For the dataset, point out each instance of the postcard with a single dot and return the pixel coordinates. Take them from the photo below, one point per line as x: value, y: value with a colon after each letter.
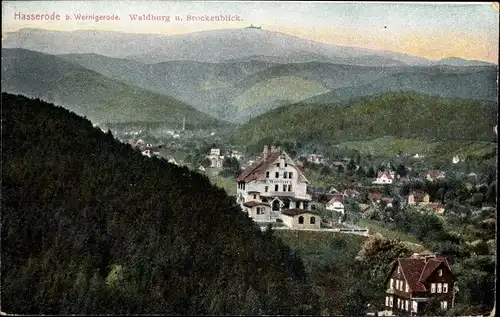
x: 249, y: 158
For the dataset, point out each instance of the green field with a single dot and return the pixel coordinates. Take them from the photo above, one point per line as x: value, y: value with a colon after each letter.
x: 313, y: 246
x: 292, y: 88
x: 229, y: 185
x: 373, y: 226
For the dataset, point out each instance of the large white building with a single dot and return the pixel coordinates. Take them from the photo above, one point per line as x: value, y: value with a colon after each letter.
x: 216, y: 160
x: 271, y: 185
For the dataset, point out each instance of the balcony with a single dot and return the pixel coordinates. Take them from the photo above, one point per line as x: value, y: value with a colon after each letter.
x: 286, y: 194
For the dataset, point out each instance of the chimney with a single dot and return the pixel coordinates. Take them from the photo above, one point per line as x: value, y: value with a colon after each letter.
x: 265, y: 153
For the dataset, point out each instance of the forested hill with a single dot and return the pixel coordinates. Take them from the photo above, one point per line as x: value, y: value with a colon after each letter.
x: 403, y: 115
x: 91, y: 226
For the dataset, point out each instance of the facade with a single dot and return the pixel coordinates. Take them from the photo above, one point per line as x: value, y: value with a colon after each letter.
x: 237, y: 154
x: 274, y: 180
x: 301, y: 219
x: 418, y: 198
x: 384, y: 178
x: 415, y: 282
x: 315, y: 158
x: 216, y: 160
x: 336, y: 203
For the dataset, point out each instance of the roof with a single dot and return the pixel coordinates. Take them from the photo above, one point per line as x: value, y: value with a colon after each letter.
x: 418, y: 195
x: 417, y: 270
x: 339, y: 198
x: 251, y: 204
x: 256, y: 169
x: 296, y: 211
x: 387, y: 199
x: 386, y: 174
x: 374, y: 196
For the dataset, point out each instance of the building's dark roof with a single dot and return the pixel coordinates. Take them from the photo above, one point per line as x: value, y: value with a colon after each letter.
x: 417, y: 270
x: 256, y: 169
x: 252, y: 203
x: 297, y: 211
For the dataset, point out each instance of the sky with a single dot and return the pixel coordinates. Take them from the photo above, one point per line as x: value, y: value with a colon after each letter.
x: 431, y: 30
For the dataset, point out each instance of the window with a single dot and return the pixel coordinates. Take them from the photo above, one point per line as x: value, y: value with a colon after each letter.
x: 402, y: 285
x: 387, y: 301
x: 440, y: 272
x: 254, y: 196
x: 278, y: 164
x: 397, y: 284
x: 275, y: 188
x: 407, y: 288
x: 391, y: 285
x: 258, y: 210
x: 301, y: 220
x: 407, y: 305
x: 289, y: 188
x: 444, y: 305
x: 312, y: 220
x: 284, y: 188
x: 414, y: 306
x: 285, y: 174
x: 277, y: 175
x: 399, y: 303
x: 445, y: 287
x: 399, y: 270
x: 286, y: 164
x: 433, y: 287
x: 267, y: 174
x: 290, y: 175
x: 439, y: 290
x: 266, y: 189
x: 391, y: 301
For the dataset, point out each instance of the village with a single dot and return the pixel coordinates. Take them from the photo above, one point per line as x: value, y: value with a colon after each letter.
x: 277, y: 191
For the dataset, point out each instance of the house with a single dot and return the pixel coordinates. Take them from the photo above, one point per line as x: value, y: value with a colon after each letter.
x: 216, y: 160
x: 388, y: 201
x: 236, y: 154
x: 301, y: 219
x: 149, y: 152
x: 418, y: 198
x: 274, y: 180
x: 434, y: 175
x: 384, y: 178
x: 315, y: 158
x: 435, y: 207
x: 455, y: 159
x: 257, y: 209
x: 374, y: 197
x: 336, y: 203
x: 415, y: 281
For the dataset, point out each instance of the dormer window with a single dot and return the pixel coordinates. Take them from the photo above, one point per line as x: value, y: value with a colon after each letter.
x: 399, y: 270
x: 278, y: 164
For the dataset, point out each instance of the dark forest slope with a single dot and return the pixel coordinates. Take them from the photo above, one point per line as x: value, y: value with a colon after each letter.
x: 91, y: 226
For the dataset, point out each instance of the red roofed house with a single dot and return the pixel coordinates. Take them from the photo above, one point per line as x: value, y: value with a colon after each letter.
x: 274, y: 180
x: 384, y: 178
x: 336, y: 203
x: 414, y: 282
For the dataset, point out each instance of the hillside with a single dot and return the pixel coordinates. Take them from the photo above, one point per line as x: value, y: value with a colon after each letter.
x: 238, y: 90
x: 90, y: 94
x: 91, y: 226
x: 401, y: 115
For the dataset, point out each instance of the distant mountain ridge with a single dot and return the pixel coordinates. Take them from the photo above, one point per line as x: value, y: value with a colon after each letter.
x: 91, y: 94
